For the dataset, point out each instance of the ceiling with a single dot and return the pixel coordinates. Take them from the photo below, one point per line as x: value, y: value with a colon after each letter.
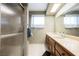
x: 37, y: 6
x: 50, y: 5
x: 14, y: 7
x: 73, y: 10
x: 42, y: 7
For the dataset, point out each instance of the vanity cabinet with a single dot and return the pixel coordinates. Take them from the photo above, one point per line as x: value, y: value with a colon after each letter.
x: 50, y: 44
x: 61, y: 51
x: 56, y: 49
x: 57, y: 53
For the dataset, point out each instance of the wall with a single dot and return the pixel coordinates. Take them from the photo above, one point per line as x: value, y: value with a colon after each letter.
x: 0, y: 28
x: 59, y: 26
x: 25, y: 22
x: 39, y: 34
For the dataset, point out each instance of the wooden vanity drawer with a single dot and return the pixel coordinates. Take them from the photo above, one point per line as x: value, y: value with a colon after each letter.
x: 61, y: 50
x: 56, y: 53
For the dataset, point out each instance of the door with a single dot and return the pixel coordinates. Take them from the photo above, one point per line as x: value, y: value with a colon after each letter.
x: 11, y: 31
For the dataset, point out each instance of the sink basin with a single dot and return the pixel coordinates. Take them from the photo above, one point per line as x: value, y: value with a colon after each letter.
x: 59, y: 36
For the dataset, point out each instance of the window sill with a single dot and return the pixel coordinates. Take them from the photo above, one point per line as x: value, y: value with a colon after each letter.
x: 36, y: 27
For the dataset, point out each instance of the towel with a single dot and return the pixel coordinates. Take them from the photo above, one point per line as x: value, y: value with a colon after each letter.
x: 28, y: 32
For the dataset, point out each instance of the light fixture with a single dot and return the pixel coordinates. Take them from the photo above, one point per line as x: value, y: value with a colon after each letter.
x: 55, y: 7
x: 6, y: 10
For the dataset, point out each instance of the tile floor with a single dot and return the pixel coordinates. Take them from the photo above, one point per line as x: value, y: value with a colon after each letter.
x: 36, y: 49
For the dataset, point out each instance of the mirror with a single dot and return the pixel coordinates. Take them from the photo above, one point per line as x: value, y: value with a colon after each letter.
x: 63, y: 28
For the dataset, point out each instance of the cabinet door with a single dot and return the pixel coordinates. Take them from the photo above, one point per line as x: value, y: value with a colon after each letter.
x: 61, y: 50
x: 56, y: 53
x: 48, y: 45
x: 52, y: 42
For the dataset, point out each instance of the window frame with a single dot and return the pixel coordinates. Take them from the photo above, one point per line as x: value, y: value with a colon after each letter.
x: 37, y: 26
x: 73, y: 21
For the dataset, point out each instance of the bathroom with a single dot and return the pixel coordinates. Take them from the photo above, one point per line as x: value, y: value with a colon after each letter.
x: 26, y: 26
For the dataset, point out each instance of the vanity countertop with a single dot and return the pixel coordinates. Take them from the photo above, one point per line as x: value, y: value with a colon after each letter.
x: 72, y: 45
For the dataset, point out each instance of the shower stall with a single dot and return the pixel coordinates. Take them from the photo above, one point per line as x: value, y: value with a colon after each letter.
x: 13, y: 25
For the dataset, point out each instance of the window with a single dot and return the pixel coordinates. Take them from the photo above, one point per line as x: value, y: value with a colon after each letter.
x: 71, y: 21
x: 37, y: 21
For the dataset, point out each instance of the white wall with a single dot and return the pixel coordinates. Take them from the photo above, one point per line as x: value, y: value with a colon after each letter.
x: 39, y: 34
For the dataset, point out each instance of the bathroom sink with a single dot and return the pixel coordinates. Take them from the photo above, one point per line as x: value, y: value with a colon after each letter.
x: 59, y: 36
